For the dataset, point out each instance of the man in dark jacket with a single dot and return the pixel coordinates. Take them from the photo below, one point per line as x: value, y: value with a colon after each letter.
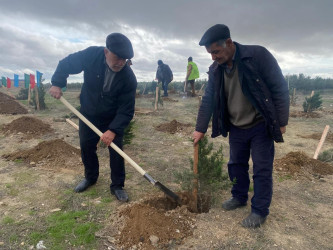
x: 248, y: 97
x: 107, y: 100
x: 164, y: 75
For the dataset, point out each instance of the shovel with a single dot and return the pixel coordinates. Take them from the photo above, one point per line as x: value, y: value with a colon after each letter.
x: 163, y: 188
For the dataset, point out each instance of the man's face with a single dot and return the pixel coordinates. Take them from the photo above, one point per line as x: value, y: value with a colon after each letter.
x: 113, y: 61
x: 221, y: 54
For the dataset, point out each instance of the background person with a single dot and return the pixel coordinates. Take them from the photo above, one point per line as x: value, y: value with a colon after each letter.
x: 248, y: 98
x: 164, y: 75
x: 191, y: 75
x: 107, y: 100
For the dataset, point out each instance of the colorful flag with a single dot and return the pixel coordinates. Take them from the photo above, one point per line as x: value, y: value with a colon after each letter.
x: 3, y: 80
x: 32, y: 81
x: 26, y: 81
x: 9, y: 83
x: 39, y: 77
x: 16, y: 80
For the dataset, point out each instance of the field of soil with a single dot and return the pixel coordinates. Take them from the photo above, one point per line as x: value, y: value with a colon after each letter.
x: 40, y: 165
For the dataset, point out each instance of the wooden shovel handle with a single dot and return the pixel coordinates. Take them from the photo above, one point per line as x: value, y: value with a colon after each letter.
x: 99, y: 133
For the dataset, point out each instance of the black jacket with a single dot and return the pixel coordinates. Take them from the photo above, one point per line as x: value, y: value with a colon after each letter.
x: 164, y: 73
x: 115, y: 106
x: 262, y: 83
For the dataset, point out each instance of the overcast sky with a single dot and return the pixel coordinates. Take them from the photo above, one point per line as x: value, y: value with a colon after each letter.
x: 36, y: 34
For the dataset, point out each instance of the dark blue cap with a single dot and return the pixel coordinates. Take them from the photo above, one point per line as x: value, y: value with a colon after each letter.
x: 120, y: 45
x: 215, y: 33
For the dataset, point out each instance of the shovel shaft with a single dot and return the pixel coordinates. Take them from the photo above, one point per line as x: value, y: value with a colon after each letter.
x: 98, y: 132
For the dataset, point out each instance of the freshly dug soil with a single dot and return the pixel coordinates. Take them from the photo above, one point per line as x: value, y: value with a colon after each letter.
x: 53, y: 154
x: 175, y: 127
x: 298, y: 164
x: 29, y: 126
x: 8, y: 105
x: 156, y: 223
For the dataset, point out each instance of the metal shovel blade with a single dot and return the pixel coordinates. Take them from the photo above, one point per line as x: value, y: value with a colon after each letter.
x: 168, y: 192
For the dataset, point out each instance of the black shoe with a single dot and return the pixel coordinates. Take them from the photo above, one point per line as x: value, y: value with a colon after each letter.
x: 120, y: 194
x: 83, y: 185
x: 253, y: 221
x: 232, y: 204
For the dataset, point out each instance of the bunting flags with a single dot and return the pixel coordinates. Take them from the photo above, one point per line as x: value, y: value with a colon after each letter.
x: 29, y: 79
x: 32, y: 81
x: 39, y: 78
x: 9, y: 83
x: 26, y: 81
x: 3, y: 81
x: 16, y: 81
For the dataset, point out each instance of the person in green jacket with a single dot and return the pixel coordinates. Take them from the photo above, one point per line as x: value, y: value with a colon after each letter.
x: 192, y: 74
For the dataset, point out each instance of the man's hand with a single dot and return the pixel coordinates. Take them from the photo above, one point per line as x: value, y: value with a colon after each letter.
x: 283, y: 129
x: 108, y: 137
x: 197, y: 136
x: 55, y: 92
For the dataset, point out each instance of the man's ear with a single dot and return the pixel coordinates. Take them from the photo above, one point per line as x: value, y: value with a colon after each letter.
x: 228, y: 42
x: 105, y: 51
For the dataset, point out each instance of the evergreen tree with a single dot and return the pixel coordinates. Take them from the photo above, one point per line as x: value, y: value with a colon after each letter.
x: 312, y: 103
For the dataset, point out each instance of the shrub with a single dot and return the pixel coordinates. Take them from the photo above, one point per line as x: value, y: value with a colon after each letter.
x: 326, y: 156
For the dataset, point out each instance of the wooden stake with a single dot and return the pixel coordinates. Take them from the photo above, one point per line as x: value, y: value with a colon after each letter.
x: 200, y: 100
x: 156, y: 98
x: 321, y: 142
x: 29, y: 94
x: 72, y: 123
x: 37, y: 97
x: 144, y: 89
x: 201, y: 88
x: 312, y: 93
x: 195, y: 172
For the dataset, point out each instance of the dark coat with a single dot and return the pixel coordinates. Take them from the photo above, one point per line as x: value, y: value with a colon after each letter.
x: 164, y: 73
x: 115, y: 106
x: 262, y: 83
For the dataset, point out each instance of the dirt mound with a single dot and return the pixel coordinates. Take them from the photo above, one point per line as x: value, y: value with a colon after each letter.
x: 317, y: 136
x: 168, y: 99
x: 8, y: 105
x: 175, y: 127
x: 53, y: 154
x: 299, y: 164
x: 156, y: 223
x: 296, y: 114
x: 29, y: 126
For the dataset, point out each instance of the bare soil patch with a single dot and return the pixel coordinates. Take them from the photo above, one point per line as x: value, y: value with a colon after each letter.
x: 317, y: 136
x: 296, y: 114
x: 53, y: 154
x: 8, y: 105
x: 175, y: 127
x: 298, y: 164
x: 27, y: 125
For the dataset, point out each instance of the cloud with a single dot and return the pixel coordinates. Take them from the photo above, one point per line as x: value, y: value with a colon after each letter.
x: 36, y: 34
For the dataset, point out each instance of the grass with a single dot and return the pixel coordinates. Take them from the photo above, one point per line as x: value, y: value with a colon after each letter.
x: 67, y: 229
x: 7, y: 220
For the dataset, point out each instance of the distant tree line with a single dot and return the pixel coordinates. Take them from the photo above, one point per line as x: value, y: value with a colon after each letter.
x: 306, y: 83
x: 300, y: 82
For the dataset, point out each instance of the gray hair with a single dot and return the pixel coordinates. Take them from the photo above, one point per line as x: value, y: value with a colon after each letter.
x: 222, y: 42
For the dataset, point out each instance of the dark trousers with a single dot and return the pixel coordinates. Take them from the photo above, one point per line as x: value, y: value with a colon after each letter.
x: 165, y: 87
x: 88, y: 144
x: 254, y: 141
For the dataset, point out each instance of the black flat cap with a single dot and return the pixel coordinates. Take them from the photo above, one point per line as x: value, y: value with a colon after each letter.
x: 120, y: 45
x: 215, y: 33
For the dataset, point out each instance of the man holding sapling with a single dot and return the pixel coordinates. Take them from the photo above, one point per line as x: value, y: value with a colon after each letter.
x: 107, y: 100
x: 248, y: 98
